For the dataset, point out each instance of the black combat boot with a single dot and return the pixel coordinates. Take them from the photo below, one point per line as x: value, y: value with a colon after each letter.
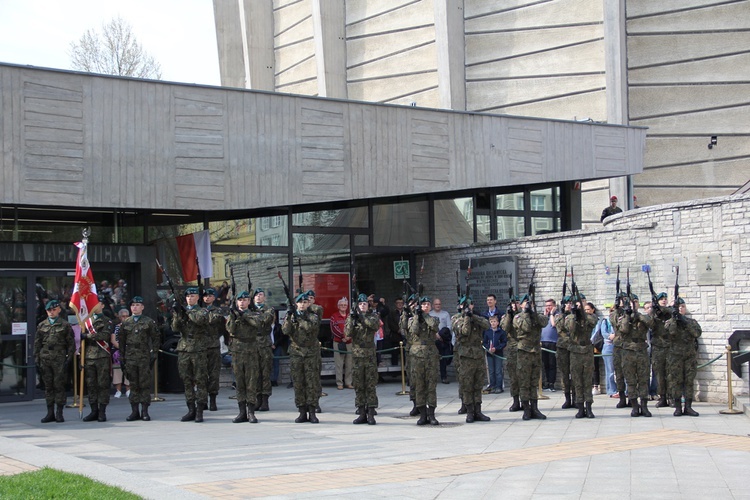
x: 516, y: 406
x: 414, y: 410
x: 677, y: 408
x: 144, y: 412
x: 59, y: 414
x: 94, y: 415
x: 662, y: 403
x: 422, y: 416
x: 212, y: 402
x: 362, y: 418
x: 318, y: 409
x: 134, y: 415
x: 535, y: 413
x: 478, y: 415
x: 689, y: 409
x: 644, y: 407
x: 635, y: 412
x: 567, y: 403
x: 242, y: 415
x: 623, y: 402
x: 463, y: 409
x: 589, y: 413
x: 189, y: 416
x: 251, y: 414
x: 102, y: 413
x: 50, y: 416
x: 263, y: 402
x: 431, y: 415
x: 371, y: 416
x: 469, y: 414
x: 199, y: 412
x: 526, y: 410
x: 312, y: 409
x: 581, y: 412
x: 302, y: 415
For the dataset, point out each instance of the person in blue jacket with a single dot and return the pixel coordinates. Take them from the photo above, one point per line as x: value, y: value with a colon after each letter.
x: 495, y: 340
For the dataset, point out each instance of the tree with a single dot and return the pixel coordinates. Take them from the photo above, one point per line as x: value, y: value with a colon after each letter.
x: 114, y: 51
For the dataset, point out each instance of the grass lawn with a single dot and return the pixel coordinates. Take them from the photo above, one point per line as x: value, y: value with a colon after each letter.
x: 51, y: 483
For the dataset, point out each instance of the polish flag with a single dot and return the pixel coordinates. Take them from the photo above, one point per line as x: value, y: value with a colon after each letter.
x: 192, y: 246
x: 84, y: 302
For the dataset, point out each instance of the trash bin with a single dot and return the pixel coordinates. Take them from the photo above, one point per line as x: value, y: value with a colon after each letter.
x: 169, y: 374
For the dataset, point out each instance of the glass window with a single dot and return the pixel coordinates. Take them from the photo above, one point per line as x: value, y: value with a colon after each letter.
x: 275, y: 240
x: 511, y: 201
x: 541, y: 225
x: 346, y: 217
x: 258, y: 270
x: 483, y: 227
x: 233, y: 232
x: 510, y: 227
x: 454, y: 222
x: 542, y: 200
x: 265, y: 223
x: 401, y: 224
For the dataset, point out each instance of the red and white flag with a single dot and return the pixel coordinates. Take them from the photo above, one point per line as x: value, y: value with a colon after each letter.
x: 195, y: 246
x: 85, y: 301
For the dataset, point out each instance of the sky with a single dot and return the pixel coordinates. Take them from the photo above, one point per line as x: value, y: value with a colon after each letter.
x: 179, y: 34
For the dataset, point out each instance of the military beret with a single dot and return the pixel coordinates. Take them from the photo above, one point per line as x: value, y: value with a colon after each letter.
x: 311, y: 293
x: 210, y: 291
x: 581, y: 296
x: 567, y: 298
x: 136, y: 300
x: 243, y: 295
x: 634, y: 296
x: 52, y: 304
x: 302, y: 297
x: 680, y: 301
x: 524, y: 297
x: 413, y: 297
x: 259, y: 290
x: 361, y: 298
x: 425, y: 299
x: 465, y: 299
x: 191, y: 291
x: 661, y: 295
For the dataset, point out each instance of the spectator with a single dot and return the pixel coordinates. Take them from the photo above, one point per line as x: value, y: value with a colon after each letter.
x: 549, y: 343
x: 495, y: 340
x: 342, y: 354
x: 491, y: 306
x: 612, y: 209
x: 608, y: 334
x: 117, y: 376
x: 444, y: 338
x: 278, y: 341
x: 589, y: 308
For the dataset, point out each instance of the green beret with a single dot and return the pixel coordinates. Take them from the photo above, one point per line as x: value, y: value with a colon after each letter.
x: 210, y: 291
x: 680, y: 301
x: 465, y: 299
x: 581, y: 296
x: 661, y: 295
x: 413, y: 297
x: 136, y: 300
x: 425, y: 299
x: 362, y: 298
x: 243, y: 295
x: 191, y: 291
x: 634, y: 296
x: 302, y: 297
x: 259, y: 290
x: 567, y: 298
x: 524, y: 298
x: 52, y: 304
x: 311, y: 293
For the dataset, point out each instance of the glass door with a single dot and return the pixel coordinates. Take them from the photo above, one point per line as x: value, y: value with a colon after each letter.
x: 14, y: 338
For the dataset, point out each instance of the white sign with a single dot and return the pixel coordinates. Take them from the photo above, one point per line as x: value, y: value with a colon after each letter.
x: 18, y: 329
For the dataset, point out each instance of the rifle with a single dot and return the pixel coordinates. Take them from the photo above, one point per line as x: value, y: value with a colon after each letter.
x: 532, y: 292
x: 468, y: 275
x: 654, y: 302
x: 175, y: 297
x: 676, y: 287
x: 565, y: 287
x: 458, y: 287
x: 289, y: 298
x: 617, y: 289
x: 574, y: 290
x: 299, y: 277
x: 250, y: 289
x: 510, y: 290
x: 200, y: 282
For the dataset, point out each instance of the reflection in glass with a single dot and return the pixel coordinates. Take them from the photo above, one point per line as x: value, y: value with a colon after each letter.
x: 454, y: 222
x: 13, y: 334
x: 541, y: 225
x: 402, y: 224
x: 483, y: 228
x: 541, y: 200
x: 511, y: 201
x: 510, y: 227
x: 345, y: 217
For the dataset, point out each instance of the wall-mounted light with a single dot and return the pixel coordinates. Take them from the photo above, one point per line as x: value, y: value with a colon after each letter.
x: 714, y: 141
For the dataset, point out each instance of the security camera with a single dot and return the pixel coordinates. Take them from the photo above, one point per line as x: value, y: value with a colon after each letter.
x: 713, y: 142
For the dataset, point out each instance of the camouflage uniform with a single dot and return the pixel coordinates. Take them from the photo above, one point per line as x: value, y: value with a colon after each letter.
x: 408, y: 339
x: 191, y: 360
x: 469, y: 328
x: 511, y: 359
x: 617, y: 359
x: 365, y: 372
x: 424, y: 357
x: 266, y: 316
x: 242, y: 327
x: 682, y: 360
x: 212, y: 347
x: 564, y: 356
x: 54, y: 346
x: 98, y: 365
x: 304, y: 353
x: 659, y: 351
x: 634, y: 333
x: 529, y: 326
x: 140, y: 339
x: 581, y: 356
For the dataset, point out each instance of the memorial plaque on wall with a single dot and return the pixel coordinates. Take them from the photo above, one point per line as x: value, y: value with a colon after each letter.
x: 489, y: 275
x: 708, y: 269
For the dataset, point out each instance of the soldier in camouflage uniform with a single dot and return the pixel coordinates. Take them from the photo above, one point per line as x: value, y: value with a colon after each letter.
x: 617, y: 356
x: 302, y: 327
x: 660, y: 347
x: 361, y: 327
x: 578, y: 326
x: 140, y: 339
x: 633, y: 327
x: 212, y: 347
x: 682, y: 361
x: 511, y: 353
x: 563, y: 354
x: 266, y: 316
x: 412, y: 304
x: 424, y: 356
x: 469, y: 328
x: 192, y: 323
x: 54, y: 346
x: 97, y: 365
x: 528, y: 323
x: 242, y: 326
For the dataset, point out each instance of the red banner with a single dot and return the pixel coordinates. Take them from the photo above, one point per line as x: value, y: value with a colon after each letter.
x: 84, y: 302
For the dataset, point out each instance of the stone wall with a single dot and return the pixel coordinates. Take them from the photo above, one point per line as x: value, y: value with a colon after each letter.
x: 662, y: 237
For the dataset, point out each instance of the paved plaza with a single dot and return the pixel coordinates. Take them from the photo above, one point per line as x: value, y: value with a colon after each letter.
x: 612, y: 456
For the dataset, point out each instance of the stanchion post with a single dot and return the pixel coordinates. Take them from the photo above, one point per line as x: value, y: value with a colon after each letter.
x: 730, y: 396
x: 541, y: 395
x: 156, y: 397
x: 403, y: 391
x: 74, y: 404
x: 322, y: 392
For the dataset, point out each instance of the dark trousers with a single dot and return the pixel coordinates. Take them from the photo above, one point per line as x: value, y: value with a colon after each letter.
x: 549, y: 362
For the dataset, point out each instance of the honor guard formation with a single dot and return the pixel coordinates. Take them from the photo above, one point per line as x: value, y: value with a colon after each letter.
x: 487, y: 347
